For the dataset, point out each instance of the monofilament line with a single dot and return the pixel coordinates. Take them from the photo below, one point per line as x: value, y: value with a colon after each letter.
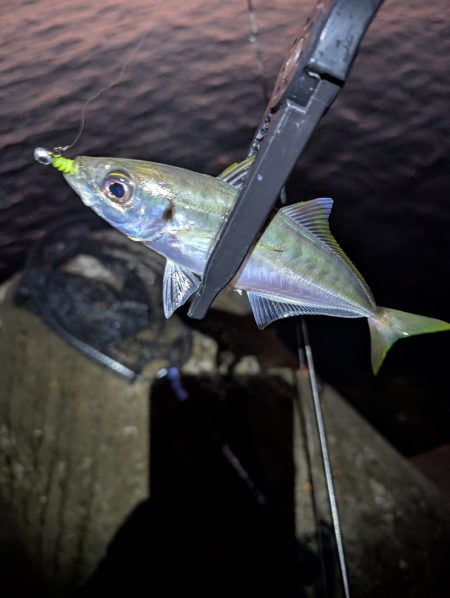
x: 103, y: 90
x: 254, y: 40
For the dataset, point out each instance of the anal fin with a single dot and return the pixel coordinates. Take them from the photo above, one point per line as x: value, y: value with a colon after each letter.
x: 267, y: 310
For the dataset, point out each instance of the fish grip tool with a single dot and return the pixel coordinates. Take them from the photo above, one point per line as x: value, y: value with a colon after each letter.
x: 308, y: 83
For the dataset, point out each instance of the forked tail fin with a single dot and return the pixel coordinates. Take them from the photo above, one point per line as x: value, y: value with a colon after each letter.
x: 391, y: 325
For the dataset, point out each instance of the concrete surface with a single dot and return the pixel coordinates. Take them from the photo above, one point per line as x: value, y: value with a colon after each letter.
x: 75, y: 454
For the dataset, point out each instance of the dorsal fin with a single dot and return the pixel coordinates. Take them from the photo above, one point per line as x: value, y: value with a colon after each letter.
x: 313, y: 215
x: 236, y: 174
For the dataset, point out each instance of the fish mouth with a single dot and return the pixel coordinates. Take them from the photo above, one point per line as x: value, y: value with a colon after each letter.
x: 83, y: 182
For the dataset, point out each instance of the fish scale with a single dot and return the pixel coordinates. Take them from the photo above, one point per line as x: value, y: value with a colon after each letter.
x: 306, y: 266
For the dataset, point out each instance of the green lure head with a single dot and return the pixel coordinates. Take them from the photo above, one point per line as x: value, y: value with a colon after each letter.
x: 64, y: 165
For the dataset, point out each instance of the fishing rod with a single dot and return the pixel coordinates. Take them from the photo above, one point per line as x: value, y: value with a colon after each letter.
x: 305, y: 406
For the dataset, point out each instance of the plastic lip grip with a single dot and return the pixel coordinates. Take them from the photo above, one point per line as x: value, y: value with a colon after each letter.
x: 308, y: 83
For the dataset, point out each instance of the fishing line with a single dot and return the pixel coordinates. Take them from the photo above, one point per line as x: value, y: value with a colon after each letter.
x: 254, y: 40
x: 44, y: 156
x: 103, y: 90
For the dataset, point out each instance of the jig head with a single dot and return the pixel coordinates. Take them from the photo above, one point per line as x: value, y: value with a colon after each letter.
x: 56, y: 159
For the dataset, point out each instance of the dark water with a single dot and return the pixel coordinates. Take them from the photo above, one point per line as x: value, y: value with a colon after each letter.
x: 191, y: 98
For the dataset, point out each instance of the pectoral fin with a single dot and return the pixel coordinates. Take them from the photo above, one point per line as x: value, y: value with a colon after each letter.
x: 268, y: 310
x: 178, y: 285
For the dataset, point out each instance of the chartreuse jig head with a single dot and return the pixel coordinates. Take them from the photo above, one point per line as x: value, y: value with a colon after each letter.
x: 54, y: 157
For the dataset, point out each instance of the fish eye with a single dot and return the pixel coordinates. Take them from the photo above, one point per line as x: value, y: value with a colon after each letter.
x: 118, y: 187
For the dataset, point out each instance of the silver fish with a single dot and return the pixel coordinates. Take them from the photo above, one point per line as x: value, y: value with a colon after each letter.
x: 296, y: 267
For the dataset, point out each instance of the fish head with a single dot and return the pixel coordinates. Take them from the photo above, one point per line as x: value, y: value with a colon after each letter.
x: 131, y: 195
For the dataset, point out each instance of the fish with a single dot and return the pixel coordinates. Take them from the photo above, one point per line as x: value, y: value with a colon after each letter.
x: 295, y: 268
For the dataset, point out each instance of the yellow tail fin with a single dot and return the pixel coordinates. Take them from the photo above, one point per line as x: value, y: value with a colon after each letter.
x: 391, y: 325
